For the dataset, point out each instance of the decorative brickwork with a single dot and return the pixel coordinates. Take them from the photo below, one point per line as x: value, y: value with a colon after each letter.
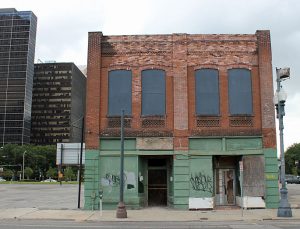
x: 241, y: 121
x: 179, y: 55
x: 207, y: 122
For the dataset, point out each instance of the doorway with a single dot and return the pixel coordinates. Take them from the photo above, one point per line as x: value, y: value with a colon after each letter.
x: 225, y: 187
x: 227, y: 184
x: 157, y: 182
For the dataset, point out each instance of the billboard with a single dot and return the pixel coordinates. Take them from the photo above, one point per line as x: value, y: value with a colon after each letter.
x: 69, y: 154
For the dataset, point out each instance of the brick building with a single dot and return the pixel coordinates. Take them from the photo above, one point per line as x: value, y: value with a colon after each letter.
x: 199, y: 120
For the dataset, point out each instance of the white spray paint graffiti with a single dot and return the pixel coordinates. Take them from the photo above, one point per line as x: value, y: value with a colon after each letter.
x: 112, y: 180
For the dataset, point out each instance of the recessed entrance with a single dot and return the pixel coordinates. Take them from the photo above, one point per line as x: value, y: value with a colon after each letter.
x: 226, y: 180
x: 157, y: 182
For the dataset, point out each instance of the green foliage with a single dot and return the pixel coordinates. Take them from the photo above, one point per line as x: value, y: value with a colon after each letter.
x: 69, y: 174
x: 291, y: 156
x: 51, y: 173
x: 8, y: 174
x: 38, y: 158
x: 28, y: 172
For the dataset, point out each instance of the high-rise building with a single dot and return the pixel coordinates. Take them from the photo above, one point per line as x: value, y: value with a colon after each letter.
x: 58, y: 103
x: 17, y: 47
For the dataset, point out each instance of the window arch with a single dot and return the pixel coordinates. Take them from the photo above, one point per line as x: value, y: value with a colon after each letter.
x: 240, y: 91
x: 207, y: 92
x: 119, y: 92
x: 153, y: 92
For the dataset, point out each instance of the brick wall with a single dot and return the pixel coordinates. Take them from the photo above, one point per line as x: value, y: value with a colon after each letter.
x: 179, y: 55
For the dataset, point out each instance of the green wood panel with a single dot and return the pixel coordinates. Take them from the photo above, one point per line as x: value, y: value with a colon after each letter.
x: 206, y: 144
x: 227, y: 153
x: 271, y: 168
x: 182, y: 185
x: 272, y: 205
x: 181, y: 171
x: 201, y: 176
x: 243, y: 143
x: 115, y: 144
x: 272, y: 184
x: 271, y: 161
x: 272, y: 192
x: 273, y: 199
x: 181, y: 200
x: 181, y: 178
x: 182, y: 192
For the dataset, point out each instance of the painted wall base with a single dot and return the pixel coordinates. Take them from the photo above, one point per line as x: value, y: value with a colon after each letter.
x: 250, y: 202
x: 201, y: 203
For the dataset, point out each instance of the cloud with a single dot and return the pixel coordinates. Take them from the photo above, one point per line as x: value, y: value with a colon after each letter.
x: 63, y: 27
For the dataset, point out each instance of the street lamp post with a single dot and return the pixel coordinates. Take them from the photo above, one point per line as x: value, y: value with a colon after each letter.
x: 23, y: 168
x: 121, y: 210
x: 284, y: 209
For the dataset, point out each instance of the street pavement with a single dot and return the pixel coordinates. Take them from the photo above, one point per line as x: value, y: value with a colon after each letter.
x: 46, y: 224
x: 59, y: 203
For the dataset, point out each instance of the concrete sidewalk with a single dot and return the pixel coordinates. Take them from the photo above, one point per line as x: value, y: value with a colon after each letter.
x: 147, y: 214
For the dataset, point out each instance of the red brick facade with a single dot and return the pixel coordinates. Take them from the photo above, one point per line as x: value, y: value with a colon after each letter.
x: 179, y: 55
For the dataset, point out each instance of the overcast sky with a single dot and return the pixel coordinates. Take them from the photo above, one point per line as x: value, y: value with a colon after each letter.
x: 63, y: 28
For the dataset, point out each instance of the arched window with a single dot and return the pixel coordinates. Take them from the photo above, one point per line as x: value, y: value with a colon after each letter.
x: 207, y: 92
x: 119, y: 92
x: 240, y: 91
x: 153, y: 92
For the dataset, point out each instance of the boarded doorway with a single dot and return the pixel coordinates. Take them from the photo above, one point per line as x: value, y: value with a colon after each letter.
x: 157, y: 182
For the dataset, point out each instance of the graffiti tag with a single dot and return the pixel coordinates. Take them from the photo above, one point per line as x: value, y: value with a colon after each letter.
x: 201, y: 182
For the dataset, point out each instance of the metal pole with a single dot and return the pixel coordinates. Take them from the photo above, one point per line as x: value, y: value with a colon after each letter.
x: 80, y: 164
x: 284, y: 209
x: 61, y: 161
x: 122, y: 160
x: 23, y: 164
x: 121, y: 210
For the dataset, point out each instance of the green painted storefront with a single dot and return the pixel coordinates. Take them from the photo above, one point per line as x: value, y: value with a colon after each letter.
x: 187, y: 178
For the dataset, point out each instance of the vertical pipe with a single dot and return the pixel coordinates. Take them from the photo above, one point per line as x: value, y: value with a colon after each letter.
x: 80, y: 164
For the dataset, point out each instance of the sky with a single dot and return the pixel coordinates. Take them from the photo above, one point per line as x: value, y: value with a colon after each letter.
x: 63, y: 26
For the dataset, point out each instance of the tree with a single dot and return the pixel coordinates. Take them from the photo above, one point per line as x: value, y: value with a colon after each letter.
x: 8, y: 174
x: 69, y: 174
x: 38, y: 158
x: 292, y: 156
x: 51, y: 173
x: 28, y: 172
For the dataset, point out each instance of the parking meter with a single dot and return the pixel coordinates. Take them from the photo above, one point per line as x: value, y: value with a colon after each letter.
x: 101, y: 194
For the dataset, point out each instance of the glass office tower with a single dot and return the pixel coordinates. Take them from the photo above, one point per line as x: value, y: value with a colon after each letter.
x: 17, y: 47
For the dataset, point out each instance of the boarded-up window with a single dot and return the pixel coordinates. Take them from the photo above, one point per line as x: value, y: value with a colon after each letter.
x: 254, y: 176
x: 153, y: 92
x: 207, y: 92
x: 119, y: 92
x: 240, y: 91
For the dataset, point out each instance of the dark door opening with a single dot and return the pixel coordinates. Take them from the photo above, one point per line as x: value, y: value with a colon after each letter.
x: 157, y: 182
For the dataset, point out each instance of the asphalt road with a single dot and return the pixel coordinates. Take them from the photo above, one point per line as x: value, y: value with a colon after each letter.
x: 54, y: 196
x: 42, y: 196
x: 294, y: 194
x: 24, y: 224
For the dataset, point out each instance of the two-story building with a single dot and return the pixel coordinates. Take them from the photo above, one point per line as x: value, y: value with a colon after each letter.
x: 199, y: 121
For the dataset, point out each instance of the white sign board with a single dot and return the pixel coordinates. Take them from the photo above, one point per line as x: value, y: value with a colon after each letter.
x: 69, y: 153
